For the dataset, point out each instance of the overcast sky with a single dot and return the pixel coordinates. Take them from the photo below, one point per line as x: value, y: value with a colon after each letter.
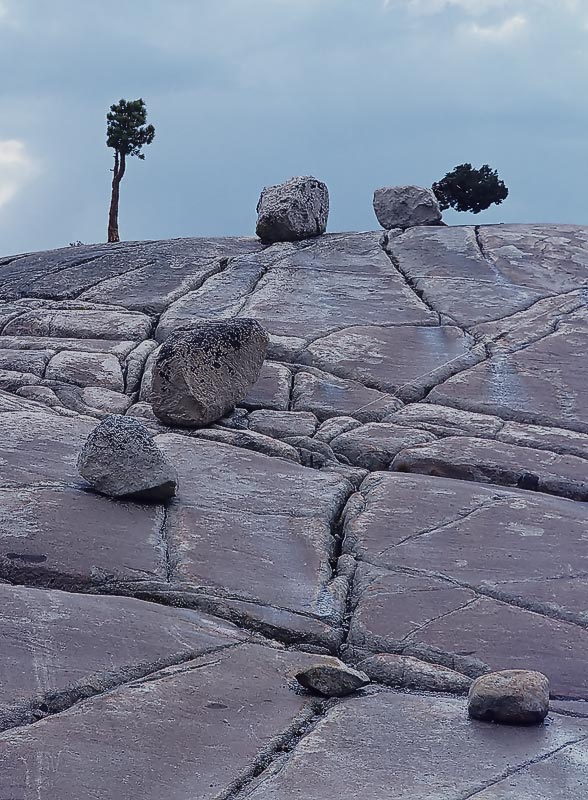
x: 245, y: 93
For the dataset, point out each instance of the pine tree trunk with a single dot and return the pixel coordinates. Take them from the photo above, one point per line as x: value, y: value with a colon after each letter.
x: 118, y: 172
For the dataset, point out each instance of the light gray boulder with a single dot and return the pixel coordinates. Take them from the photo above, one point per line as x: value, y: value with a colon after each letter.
x: 120, y: 459
x: 297, y: 209
x: 513, y: 697
x: 406, y: 206
x: 202, y: 372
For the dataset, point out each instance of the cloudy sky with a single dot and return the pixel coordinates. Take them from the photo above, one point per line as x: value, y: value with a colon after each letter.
x: 244, y: 93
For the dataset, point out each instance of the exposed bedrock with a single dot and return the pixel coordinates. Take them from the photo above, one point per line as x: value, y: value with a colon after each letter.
x: 397, y: 493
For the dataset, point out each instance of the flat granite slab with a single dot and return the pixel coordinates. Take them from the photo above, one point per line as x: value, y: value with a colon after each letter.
x: 411, y: 747
x: 191, y: 731
x: 59, y: 648
x: 472, y: 576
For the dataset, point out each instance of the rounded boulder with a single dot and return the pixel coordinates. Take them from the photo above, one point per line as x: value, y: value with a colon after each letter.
x: 203, y: 371
x: 511, y: 697
x: 120, y: 459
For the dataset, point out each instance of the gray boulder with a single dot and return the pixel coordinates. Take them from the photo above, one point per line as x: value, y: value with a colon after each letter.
x: 297, y: 209
x: 513, y: 697
x: 202, y: 372
x: 406, y: 206
x: 332, y: 678
x: 120, y: 459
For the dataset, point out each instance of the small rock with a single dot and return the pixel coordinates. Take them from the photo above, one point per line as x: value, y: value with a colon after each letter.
x: 237, y: 420
x: 313, y: 453
x: 120, y: 459
x: 105, y: 400
x: 334, y: 427
x: 280, y: 424
x: 406, y: 206
x: 202, y: 372
x: 297, y: 209
x: 250, y: 440
x: 332, y: 679
x: 354, y: 475
x: 513, y: 697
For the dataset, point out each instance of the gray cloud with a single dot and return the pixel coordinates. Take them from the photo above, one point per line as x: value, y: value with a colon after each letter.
x: 359, y: 92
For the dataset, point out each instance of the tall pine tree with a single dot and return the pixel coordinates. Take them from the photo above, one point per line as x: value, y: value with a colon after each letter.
x: 127, y: 133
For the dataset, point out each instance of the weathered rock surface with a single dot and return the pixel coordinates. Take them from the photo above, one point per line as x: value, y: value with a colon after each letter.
x: 328, y: 396
x: 91, y: 645
x: 163, y: 634
x: 494, y: 462
x: 514, y: 697
x: 406, y: 672
x: 163, y: 730
x: 375, y: 445
x: 406, y: 206
x: 120, y: 459
x: 251, y: 440
x: 297, y: 209
x: 470, y: 576
x: 201, y: 373
x: 271, y: 390
x: 406, y: 361
x: 280, y: 424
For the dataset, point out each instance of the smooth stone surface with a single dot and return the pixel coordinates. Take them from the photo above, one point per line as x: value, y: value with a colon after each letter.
x: 406, y: 206
x: 33, y: 361
x: 148, y: 275
x: 445, y: 421
x: 405, y: 360
x: 201, y: 373
x: 119, y: 687
x: 178, y: 733
x: 82, y: 323
x: 120, y: 459
x: 250, y: 440
x: 333, y: 427
x: 271, y: 390
x: 520, y: 386
x: 512, y: 697
x: 105, y: 400
x: 450, y: 271
x: 86, y: 369
x: 60, y: 647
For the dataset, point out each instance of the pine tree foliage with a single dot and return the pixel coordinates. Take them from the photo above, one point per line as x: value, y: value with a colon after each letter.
x: 468, y: 189
x: 126, y: 129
